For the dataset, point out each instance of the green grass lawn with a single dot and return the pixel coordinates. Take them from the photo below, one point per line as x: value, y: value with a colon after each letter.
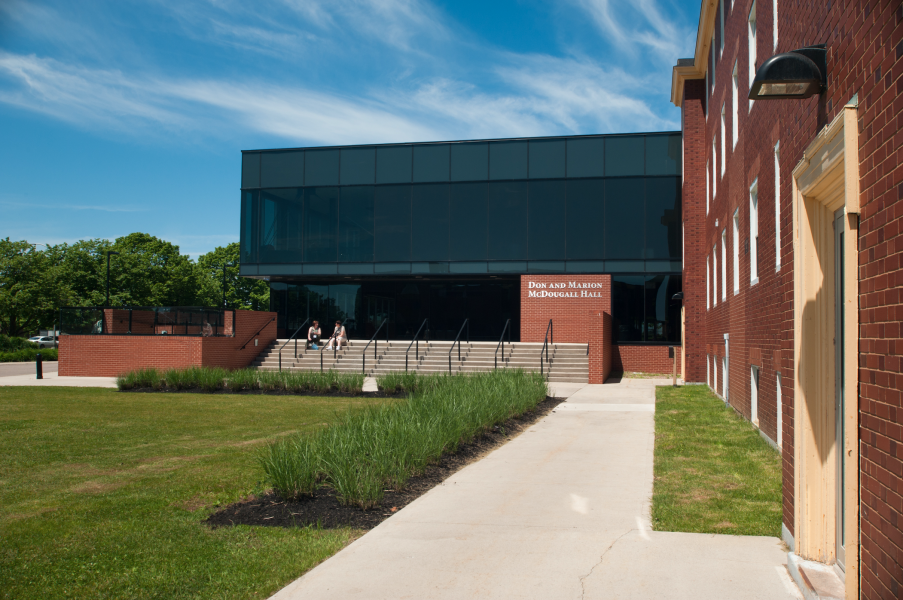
x: 713, y: 472
x: 103, y: 494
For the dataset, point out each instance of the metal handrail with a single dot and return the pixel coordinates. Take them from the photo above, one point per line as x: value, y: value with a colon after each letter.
x: 502, y: 343
x: 458, y: 342
x: 416, y: 341
x: 375, y: 346
x: 256, y: 332
x: 297, y: 331
x: 545, y: 346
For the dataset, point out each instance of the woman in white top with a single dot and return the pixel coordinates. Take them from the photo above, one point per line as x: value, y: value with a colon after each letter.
x: 338, y: 336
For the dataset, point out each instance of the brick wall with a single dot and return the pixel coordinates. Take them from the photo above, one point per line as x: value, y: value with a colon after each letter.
x: 645, y: 359
x: 865, y: 58
x: 112, y: 355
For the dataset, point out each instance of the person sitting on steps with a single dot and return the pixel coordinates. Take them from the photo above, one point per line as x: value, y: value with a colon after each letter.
x: 338, y: 336
x: 313, y: 335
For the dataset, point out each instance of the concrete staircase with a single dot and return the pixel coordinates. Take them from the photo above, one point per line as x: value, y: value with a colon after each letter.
x: 568, y: 362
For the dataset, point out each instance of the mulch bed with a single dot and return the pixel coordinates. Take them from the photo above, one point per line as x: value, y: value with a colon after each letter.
x: 324, y: 509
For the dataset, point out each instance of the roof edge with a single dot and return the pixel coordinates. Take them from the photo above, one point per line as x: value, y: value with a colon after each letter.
x: 682, y: 71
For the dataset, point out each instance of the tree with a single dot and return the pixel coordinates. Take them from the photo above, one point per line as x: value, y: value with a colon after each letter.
x: 28, y: 297
x: 151, y: 272
x: 241, y: 292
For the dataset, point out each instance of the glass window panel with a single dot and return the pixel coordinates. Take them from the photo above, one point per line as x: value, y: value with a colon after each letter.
x: 281, y: 169
x: 586, y: 157
x: 321, y: 216
x: 356, y: 224
x: 547, y: 221
x: 624, y: 156
x: 508, y: 210
x: 393, y: 223
x: 663, y: 155
x: 322, y: 167
x: 627, y: 307
x: 429, y: 237
x: 469, y: 162
x: 508, y: 160
x: 250, y: 170
x: 280, y: 232
x: 431, y: 163
x: 662, y: 315
x: 663, y: 220
x: 624, y: 217
x: 547, y: 159
x: 585, y: 218
x: 358, y: 165
x: 468, y: 206
x: 393, y: 164
x: 249, y: 227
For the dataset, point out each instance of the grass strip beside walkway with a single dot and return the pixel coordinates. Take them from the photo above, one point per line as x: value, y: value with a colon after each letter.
x: 713, y: 471
x: 104, y: 494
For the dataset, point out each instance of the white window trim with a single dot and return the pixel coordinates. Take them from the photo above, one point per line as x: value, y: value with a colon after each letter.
x: 707, y: 286
x: 754, y: 233
x: 777, y: 206
x: 714, y: 168
x: 736, y: 247
x: 715, y: 275
x: 751, y: 43
x: 708, y: 185
x: 780, y: 411
x: 774, y: 23
x: 735, y: 105
x: 721, y: 48
x: 724, y: 265
x: 753, y: 396
x: 723, y: 140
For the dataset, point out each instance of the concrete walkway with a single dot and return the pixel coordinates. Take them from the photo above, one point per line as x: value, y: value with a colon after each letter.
x: 19, y: 374
x: 562, y: 511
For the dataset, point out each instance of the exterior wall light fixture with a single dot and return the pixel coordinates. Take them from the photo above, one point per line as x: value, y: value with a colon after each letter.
x: 797, y: 74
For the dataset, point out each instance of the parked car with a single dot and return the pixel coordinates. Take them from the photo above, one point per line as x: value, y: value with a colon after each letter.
x: 44, y: 341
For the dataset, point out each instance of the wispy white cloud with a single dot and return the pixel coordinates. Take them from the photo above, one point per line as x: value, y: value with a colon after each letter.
x: 111, y: 209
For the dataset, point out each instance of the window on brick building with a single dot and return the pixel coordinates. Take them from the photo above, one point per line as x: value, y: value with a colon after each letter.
x: 751, y: 26
x: 754, y: 395
x: 754, y: 233
x: 714, y: 168
x: 712, y: 92
x: 735, y: 105
x: 708, y: 374
x: 724, y: 265
x: 714, y: 275
x: 708, y: 175
x: 721, y: 12
x: 777, y: 206
x: 723, y: 140
x: 707, y: 288
x: 780, y: 411
x: 736, y: 251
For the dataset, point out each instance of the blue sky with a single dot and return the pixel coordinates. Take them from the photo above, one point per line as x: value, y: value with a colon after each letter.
x: 127, y: 116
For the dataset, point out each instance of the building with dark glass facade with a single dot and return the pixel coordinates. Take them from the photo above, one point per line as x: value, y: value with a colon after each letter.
x: 447, y: 231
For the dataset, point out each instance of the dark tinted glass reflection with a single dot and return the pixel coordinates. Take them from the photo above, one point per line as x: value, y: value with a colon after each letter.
x: 358, y: 165
x: 468, y: 206
x: 547, y: 223
x: 547, y: 159
x: 249, y: 227
x: 321, y: 212
x: 469, y: 162
x: 356, y: 224
x: 393, y: 223
x: 394, y: 164
x: 627, y: 307
x: 663, y: 155
x: 431, y: 163
x: 585, y: 219
x: 508, y: 207
x: 322, y: 167
x: 624, y: 156
x: 663, y: 221
x: 429, y: 236
x: 662, y: 315
x: 281, y: 169
x: 280, y: 232
x: 250, y: 170
x: 508, y: 160
x: 624, y: 218
x: 586, y: 157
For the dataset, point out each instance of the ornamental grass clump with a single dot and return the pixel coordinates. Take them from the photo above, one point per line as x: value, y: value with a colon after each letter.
x: 140, y: 379
x: 242, y: 379
x: 379, y: 448
x: 293, y: 465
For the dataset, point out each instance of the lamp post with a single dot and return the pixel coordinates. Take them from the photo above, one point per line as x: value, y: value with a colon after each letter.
x: 109, y: 252
x: 225, y: 266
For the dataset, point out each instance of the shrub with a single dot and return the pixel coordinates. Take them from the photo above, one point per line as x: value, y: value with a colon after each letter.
x: 381, y: 447
x: 12, y: 344
x: 28, y: 355
x: 142, y: 378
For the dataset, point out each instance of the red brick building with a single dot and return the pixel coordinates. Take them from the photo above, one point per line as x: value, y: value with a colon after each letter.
x: 792, y: 213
